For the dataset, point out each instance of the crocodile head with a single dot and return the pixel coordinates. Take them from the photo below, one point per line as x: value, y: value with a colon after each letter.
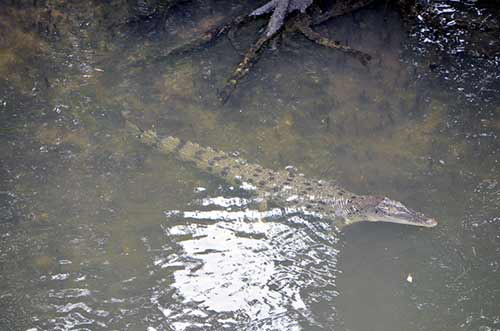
x: 383, y: 209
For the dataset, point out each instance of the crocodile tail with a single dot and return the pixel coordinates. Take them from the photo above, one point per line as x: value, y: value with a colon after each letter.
x: 205, y: 158
x: 214, y: 162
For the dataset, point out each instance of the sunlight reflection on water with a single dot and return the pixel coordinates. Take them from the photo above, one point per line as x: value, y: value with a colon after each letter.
x: 255, y: 268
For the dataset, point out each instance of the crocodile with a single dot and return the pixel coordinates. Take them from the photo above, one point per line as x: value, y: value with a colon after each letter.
x: 287, y: 189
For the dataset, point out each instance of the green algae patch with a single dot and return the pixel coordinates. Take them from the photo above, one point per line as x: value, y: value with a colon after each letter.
x: 177, y: 82
x: 125, y: 249
x: 20, y: 54
x: 44, y: 263
x: 7, y: 58
x: 55, y: 136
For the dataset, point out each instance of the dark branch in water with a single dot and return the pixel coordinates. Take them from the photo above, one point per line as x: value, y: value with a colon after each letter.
x: 304, y: 25
x: 251, y: 56
x: 286, y: 16
x: 199, y: 42
x: 280, y: 17
x: 302, y: 16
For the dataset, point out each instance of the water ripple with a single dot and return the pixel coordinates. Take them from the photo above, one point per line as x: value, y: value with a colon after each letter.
x: 254, y: 271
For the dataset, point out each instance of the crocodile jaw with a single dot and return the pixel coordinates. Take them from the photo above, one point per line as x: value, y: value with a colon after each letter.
x: 392, y: 211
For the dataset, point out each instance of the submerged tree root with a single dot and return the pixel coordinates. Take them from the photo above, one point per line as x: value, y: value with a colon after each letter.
x: 212, y: 35
x: 279, y: 23
x: 304, y: 26
x: 302, y: 23
x: 251, y: 56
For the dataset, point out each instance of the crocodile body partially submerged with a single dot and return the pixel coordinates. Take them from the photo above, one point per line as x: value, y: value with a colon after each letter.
x: 287, y: 188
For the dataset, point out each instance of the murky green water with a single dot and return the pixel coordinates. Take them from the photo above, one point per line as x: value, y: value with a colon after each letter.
x: 88, y: 240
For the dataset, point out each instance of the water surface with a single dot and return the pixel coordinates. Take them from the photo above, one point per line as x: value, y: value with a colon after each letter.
x: 93, y: 234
